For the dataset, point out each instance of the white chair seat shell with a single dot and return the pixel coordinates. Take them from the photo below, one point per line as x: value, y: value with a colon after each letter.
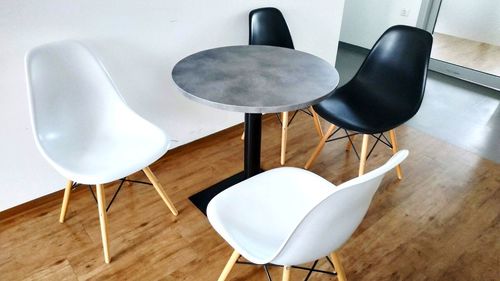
x: 106, y: 157
x: 245, y: 222
x: 290, y: 216
x: 82, y: 125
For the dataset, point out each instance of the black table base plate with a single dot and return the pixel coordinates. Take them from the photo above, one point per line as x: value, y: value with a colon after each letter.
x: 201, y: 199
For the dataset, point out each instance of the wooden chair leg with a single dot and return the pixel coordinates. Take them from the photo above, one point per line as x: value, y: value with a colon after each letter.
x: 362, y: 157
x: 229, y: 265
x: 65, y: 203
x: 320, y: 146
x: 392, y: 134
x: 317, y: 123
x: 152, y: 178
x: 103, y: 220
x: 338, y: 267
x: 348, y: 146
x: 286, y: 273
x: 284, y: 132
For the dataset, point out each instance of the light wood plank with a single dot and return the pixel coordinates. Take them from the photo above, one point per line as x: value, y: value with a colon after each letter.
x: 103, y: 220
x: 319, y: 147
x: 286, y: 273
x: 65, y: 203
x: 317, y: 123
x: 230, y: 263
x: 157, y: 185
x: 440, y: 223
x: 362, y: 156
x: 394, y: 143
x: 472, y: 54
x: 338, y: 267
x: 284, y: 134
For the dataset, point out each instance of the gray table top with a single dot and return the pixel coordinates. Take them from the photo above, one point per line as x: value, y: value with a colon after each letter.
x: 255, y: 79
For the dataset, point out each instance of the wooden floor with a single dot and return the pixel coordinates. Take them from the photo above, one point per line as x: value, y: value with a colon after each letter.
x: 440, y: 223
x: 468, y: 53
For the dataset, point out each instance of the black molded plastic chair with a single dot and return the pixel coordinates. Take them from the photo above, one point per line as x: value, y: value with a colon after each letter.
x: 267, y: 26
x: 386, y: 91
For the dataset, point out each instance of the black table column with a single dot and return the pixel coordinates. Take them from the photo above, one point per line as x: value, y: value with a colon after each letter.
x: 253, y: 132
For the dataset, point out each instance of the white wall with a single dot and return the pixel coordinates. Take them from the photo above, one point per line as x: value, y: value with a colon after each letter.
x: 364, y: 21
x: 477, y: 20
x: 139, y: 42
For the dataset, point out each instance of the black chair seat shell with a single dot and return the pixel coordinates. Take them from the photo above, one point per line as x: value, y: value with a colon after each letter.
x: 388, y: 88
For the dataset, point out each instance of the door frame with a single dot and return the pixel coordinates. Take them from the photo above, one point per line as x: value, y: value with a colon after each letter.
x: 427, y: 19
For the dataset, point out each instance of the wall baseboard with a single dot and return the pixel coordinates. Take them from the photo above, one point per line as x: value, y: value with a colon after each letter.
x: 353, y: 47
x: 11, y: 212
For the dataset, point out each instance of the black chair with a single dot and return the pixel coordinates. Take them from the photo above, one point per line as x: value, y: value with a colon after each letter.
x: 386, y: 91
x: 267, y: 26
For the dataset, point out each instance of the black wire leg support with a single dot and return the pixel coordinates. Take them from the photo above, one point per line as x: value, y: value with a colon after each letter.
x: 115, y: 194
x: 310, y: 270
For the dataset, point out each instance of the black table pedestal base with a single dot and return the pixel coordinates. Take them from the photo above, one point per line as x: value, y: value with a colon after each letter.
x: 253, y: 131
x: 201, y: 199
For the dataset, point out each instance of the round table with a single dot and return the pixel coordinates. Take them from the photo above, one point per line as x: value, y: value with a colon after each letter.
x: 255, y: 79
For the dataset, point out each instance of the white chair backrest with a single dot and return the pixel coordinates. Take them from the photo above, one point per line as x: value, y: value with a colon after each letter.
x: 70, y: 92
x: 330, y: 223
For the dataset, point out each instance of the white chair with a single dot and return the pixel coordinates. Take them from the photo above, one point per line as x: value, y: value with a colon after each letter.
x: 83, y: 127
x: 289, y: 216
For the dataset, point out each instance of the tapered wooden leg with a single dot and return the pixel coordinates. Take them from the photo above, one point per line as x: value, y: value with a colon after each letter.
x: 65, y: 203
x: 243, y: 135
x: 392, y: 134
x: 152, y: 178
x: 286, y: 273
x: 349, y: 144
x: 338, y: 267
x: 103, y: 219
x: 320, y: 146
x: 229, y: 265
x: 317, y: 124
x: 362, y: 157
x: 284, y: 132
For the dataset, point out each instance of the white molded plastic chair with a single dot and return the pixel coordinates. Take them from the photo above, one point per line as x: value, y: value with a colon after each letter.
x: 83, y: 127
x: 290, y: 216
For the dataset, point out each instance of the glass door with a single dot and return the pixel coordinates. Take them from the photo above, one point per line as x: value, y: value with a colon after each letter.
x: 466, y: 39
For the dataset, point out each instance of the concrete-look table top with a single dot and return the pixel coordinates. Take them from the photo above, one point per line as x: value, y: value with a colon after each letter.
x: 255, y: 79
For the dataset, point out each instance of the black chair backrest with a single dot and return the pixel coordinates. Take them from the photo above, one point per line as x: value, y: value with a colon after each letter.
x: 268, y: 27
x: 395, y: 70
